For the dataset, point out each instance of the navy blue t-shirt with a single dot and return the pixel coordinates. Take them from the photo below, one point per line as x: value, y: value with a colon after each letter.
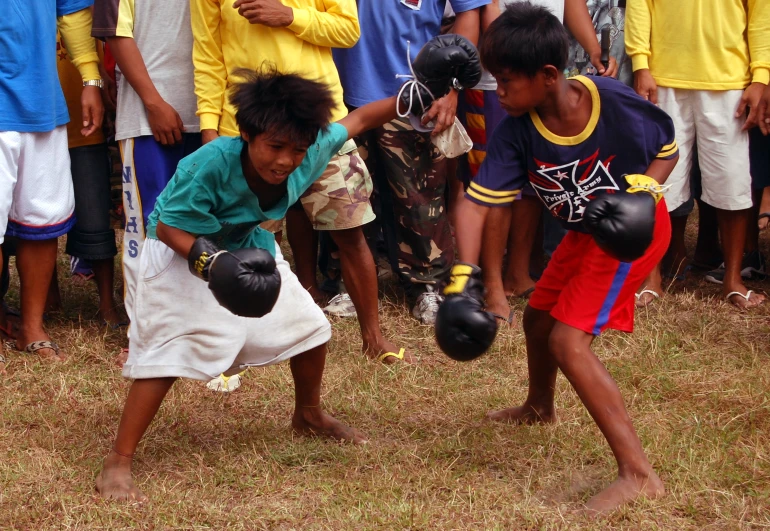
x: 624, y: 135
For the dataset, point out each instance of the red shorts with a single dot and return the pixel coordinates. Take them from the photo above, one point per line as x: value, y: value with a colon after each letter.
x: 585, y: 288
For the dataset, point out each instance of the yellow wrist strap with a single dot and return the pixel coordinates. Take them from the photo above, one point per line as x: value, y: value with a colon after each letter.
x: 458, y: 278
x: 643, y: 183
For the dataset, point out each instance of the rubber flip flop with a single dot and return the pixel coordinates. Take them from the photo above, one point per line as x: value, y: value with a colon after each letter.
x: 400, y: 356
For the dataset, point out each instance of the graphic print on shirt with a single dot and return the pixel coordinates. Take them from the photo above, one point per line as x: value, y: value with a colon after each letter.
x: 566, y: 190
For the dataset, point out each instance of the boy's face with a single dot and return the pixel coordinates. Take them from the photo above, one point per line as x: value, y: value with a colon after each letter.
x: 274, y: 158
x: 518, y: 93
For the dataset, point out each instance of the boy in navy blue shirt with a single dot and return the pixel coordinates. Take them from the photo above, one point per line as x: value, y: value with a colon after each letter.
x: 572, y: 140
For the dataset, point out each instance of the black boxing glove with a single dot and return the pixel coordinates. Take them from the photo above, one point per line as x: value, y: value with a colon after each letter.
x: 622, y: 224
x: 447, y: 61
x: 464, y: 330
x: 245, y: 281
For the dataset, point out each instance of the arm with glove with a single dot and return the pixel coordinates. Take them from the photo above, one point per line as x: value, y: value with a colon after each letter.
x: 464, y: 329
x: 244, y: 281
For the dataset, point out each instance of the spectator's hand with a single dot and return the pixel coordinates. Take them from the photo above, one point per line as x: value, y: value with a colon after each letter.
x: 165, y: 123
x: 610, y: 71
x: 645, y: 85
x: 763, y: 112
x: 443, y: 111
x: 751, y: 98
x: 207, y: 135
x: 271, y: 13
x: 93, y: 110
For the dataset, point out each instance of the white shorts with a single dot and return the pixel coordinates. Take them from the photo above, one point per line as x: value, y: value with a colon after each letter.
x: 179, y: 329
x: 708, y: 119
x: 37, y: 200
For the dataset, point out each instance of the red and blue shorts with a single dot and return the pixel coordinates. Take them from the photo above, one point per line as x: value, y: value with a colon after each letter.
x: 585, y: 288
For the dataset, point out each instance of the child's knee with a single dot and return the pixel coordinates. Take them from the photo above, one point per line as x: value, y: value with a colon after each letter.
x: 537, y: 323
x: 560, y: 346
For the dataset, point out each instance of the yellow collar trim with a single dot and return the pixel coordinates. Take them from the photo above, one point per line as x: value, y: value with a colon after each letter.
x: 590, y: 126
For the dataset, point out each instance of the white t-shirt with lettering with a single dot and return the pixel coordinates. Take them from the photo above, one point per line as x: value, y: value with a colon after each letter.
x: 557, y: 8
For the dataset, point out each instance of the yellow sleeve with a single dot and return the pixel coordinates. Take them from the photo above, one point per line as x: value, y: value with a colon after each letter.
x: 75, y: 30
x: 334, y: 27
x: 208, y: 61
x: 638, y: 31
x: 759, y: 40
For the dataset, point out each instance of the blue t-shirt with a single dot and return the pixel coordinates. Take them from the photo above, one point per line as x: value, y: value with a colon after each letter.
x: 368, y: 69
x: 31, y: 99
x: 623, y: 136
x: 209, y: 195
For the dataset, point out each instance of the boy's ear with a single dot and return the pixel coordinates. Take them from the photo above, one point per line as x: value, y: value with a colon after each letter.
x: 551, y: 74
x: 244, y: 135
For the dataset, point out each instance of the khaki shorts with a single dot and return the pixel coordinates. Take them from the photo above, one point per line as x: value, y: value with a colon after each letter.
x: 339, y: 199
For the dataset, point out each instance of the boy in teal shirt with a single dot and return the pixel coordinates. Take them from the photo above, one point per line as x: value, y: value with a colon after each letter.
x: 210, y: 214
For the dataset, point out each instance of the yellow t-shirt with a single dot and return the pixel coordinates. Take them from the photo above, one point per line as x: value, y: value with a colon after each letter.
x: 72, y: 86
x: 225, y: 41
x: 700, y: 44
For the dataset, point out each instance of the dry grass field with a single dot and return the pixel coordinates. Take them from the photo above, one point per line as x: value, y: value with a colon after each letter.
x: 695, y: 378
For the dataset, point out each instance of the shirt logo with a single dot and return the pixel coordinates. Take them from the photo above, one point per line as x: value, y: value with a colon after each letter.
x: 566, y: 190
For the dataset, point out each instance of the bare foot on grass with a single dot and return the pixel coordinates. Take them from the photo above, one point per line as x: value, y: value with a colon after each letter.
x: 114, y: 482
x: 525, y: 414
x: 624, y: 490
x: 314, y: 422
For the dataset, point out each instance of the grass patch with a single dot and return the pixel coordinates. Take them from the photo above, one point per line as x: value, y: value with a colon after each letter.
x: 694, y: 376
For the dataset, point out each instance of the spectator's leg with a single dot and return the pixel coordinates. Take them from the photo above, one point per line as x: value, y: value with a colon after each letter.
x: 92, y: 238
x: 416, y: 174
x: 523, y: 229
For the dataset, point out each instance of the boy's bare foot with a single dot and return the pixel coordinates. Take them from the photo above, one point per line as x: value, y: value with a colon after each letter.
x: 525, y: 414
x: 376, y: 349
x: 313, y: 421
x: 114, y: 482
x: 624, y: 490
x: 2, y: 360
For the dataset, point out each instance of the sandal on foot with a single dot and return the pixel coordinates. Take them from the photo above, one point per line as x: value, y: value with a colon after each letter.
x: 225, y: 384
x: 113, y: 326
x: 763, y: 215
x: 385, y: 355
x: 526, y: 293
x: 510, y: 317
x: 655, y: 296
x: 745, y: 297
x: 36, y: 346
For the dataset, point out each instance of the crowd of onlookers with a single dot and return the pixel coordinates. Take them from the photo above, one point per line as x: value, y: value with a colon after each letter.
x: 159, y: 73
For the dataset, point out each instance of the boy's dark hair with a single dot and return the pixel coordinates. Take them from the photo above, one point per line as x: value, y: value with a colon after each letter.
x: 282, y: 105
x: 524, y: 39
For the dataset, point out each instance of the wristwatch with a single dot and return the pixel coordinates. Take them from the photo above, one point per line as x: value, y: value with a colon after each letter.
x: 94, y: 83
x: 456, y: 84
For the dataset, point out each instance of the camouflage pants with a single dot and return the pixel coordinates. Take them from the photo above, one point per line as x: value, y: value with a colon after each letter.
x: 411, y: 181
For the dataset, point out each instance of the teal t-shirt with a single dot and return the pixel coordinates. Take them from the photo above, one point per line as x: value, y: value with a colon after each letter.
x: 209, y: 195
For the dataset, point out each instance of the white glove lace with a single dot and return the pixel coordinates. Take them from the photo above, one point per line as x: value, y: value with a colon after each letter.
x: 649, y: 188
x: 413, y: 86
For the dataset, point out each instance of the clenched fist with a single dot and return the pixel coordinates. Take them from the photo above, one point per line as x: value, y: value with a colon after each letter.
x: 271, y: 13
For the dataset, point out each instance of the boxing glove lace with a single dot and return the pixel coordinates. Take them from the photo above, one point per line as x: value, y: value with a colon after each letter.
x: 445, y: 62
